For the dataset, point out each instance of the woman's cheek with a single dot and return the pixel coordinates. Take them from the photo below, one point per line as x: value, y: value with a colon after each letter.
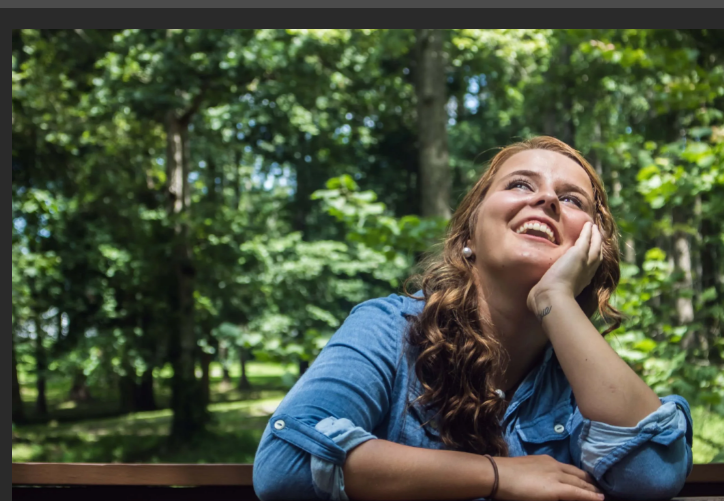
x: 576, y: 227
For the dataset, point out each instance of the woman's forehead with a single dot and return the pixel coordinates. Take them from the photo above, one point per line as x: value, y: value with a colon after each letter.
x: 549, y: 165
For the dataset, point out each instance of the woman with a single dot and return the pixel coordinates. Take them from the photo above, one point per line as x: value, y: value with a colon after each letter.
x: 491, y: 382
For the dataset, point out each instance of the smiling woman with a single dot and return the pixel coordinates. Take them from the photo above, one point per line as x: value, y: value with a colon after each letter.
x: 491, y: 380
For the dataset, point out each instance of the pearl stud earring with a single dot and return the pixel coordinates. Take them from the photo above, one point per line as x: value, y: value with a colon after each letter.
x: 467, y: 252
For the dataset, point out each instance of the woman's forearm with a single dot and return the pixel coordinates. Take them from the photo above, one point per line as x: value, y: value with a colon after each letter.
x: 383, y: 470
x: 605, y: 387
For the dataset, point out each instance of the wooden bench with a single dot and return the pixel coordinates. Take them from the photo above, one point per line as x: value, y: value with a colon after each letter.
x: 208, y: 482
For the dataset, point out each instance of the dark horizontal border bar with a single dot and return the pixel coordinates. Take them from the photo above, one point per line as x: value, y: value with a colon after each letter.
x: 133, y: 492
x: 704, y: 492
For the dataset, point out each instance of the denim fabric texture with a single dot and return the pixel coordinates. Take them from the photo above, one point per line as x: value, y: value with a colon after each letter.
x: 359, y: 387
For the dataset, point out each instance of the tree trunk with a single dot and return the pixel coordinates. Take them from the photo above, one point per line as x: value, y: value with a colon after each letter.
x: 213, y: 189
x: 596, y: 154
x: 568, y: 132
x: 144, y: 398
x: 224, y: 359
x: 126, y: 394
x: 685, y: 286
x: 79, y: 391
x: 557, y: 119
x: 127, y: 386
x: 41, y: 368
x: 237, y: 180
x: 18, y: 409
x: 302, y: 200
x: 567, y: 125
x: 629, y: 250
x: 189, y: 411
x: 431, y: 92
x: 629, y: 246
x: 244, y: 383
x: 136, y: 396
x: 303, y: 366
x: 206, y: 376
x: 710, y: 272
x: 684, y: 304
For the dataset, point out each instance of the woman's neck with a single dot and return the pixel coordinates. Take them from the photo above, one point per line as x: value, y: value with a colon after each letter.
x: 514, y: 325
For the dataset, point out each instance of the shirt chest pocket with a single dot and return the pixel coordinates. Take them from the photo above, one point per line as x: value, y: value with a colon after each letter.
x: 548, y: 434
x: 415, y: 434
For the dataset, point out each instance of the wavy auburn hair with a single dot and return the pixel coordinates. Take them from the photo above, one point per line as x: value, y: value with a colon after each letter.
x: 459, y: 356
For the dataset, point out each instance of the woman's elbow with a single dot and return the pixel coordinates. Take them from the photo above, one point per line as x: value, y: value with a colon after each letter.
x: 268, y: 484
x: 281, y: 471
x: 654, y: 471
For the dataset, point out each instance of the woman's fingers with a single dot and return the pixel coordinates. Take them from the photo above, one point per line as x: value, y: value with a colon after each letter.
x: 579, y: 482
x: 577, y: 472
x: 584, y: 239
x: 594, y: 250
x: 572, y: 493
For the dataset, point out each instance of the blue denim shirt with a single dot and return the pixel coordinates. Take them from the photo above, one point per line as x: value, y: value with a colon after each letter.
x: 358, y: 389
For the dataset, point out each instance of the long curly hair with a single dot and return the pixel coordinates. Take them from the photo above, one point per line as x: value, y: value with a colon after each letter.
x: 459, y: 356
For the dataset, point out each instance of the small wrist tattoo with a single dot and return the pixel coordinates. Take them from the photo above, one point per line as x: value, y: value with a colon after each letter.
x: 545, y: 311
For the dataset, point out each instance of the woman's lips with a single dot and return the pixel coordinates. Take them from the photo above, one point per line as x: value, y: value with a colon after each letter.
x: 535, y: 238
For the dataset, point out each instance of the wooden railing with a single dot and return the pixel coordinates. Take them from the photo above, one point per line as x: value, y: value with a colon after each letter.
x: 208, y: 482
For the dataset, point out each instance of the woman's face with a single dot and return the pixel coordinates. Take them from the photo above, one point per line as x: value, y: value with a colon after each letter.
x: 532, y: 214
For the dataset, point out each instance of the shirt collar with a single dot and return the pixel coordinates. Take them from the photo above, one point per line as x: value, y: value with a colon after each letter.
x: 413, y: 307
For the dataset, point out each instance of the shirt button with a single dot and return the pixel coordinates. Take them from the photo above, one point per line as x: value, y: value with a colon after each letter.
x: 559, y: 428
x: 279, y: 425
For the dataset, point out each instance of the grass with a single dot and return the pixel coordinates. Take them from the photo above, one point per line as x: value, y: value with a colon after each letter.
x: 708, y: 436
x: 85, y: 433
x: 232, y: 437
x: 263, y: 376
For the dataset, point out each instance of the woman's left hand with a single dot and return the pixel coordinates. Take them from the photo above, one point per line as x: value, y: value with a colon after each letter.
x: 573, y: 271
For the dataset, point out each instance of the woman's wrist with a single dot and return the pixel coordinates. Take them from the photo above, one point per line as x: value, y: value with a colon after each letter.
x: 541, y: 303
x: 496, y: 477
x: 489, y: 478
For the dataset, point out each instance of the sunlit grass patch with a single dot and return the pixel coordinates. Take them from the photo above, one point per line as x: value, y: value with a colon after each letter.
x: 238, y: 418
x: 233, y: 436
x: 708, y: 436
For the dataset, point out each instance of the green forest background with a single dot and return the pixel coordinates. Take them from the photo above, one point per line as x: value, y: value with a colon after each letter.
x: 195, y: 212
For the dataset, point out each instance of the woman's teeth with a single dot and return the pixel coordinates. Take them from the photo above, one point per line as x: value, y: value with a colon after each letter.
x: 539, y: 227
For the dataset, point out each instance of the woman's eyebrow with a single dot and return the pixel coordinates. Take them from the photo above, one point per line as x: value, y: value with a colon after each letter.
x: 568, y: 187
x: 523, y: 172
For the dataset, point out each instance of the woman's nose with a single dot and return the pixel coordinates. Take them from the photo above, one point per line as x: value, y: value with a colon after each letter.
x: 549, y: 201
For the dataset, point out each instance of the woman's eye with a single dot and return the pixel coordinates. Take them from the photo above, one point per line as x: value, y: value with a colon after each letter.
x: 571, y: 199
x: 519, y: 184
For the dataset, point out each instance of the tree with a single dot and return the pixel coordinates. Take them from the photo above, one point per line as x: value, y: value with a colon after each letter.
x: 17, y: 399
x: 185, y: 195
x: 431, y: 91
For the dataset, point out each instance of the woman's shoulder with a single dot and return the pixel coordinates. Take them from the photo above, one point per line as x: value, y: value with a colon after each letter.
x: 378, y: 323
x: 393, y: 306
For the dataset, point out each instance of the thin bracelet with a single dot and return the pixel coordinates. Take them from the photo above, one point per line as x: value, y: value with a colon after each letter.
x: 495, y: 482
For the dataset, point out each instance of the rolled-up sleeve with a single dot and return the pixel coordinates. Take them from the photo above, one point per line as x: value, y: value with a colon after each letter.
x: 332, y: 409
x: 648, y: 461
